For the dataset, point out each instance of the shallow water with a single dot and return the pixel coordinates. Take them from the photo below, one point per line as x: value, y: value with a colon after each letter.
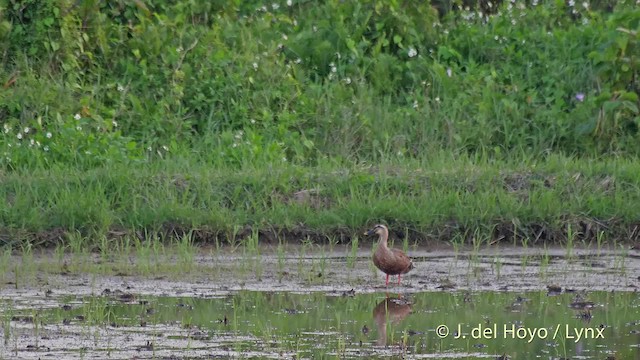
x: 327, y: 303
x: 120, y: 325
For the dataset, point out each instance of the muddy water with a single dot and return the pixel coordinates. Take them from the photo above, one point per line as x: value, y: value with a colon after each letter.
x: 522, y: 303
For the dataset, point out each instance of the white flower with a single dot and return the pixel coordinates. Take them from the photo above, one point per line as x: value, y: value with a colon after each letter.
x: 77, y: 116
x: 26, y: 130
x: 572, y: 3
x: 149, y: 148
x: 415, y: 104
x: 298, y: 61
x: 234, y: 145
x: 437, y: 99
x: 585, y: 5
x: 179, y: 49
x: 275, y: 6
x: 115, y: 123
x: 253, y: 121
x: 347, y: 80
x: 19, y: 136
x: 120, y: 88
x: 314, y: 28
x: 513, y: 21
x: 87, y: 152
x: 48, y: 135
x: 46, y: 148
x: 285, y: 37
x: 412, y: 52
x: 449, y: 72
x: 165, y: 148
x: 284, y: 159
x: 255, y: 66
x: 7, y: 128
x: 32, y: 142
x: 79, y: 128
x: 289, y: 2
x: 295, y: 22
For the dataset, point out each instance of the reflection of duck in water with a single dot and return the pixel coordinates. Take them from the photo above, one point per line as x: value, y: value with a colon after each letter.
x: 390, y: 261
x: 392, y: 309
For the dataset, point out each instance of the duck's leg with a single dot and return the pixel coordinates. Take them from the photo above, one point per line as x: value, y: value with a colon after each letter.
x: 387, y: 283
x: 399, y: 279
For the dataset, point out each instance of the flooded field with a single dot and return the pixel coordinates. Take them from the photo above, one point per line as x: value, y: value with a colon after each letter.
x: 496, y: 303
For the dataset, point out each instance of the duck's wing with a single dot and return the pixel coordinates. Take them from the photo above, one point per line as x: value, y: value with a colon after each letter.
x: 402, y: 262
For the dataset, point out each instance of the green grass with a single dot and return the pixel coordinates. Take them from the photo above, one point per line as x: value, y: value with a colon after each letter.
x: 233, y: 121
x: 556, y: 200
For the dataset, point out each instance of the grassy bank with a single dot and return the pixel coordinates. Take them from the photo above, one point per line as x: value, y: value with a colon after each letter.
x: 460, y: 200
x: 317, y: 118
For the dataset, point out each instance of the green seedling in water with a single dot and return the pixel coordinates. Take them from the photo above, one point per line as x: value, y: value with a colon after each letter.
x: 570, y: 239
x: 600, y: 239
x: 353, y: 254
x: 281, y: 254
x: 5, y: 261
x: 544, y: 262
x: 497, y: 264
x: 186, y: 252
x: 620, y: 259
x: 524, y: 263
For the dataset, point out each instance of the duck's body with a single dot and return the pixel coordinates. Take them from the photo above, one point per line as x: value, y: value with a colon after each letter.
x: 389, y: 261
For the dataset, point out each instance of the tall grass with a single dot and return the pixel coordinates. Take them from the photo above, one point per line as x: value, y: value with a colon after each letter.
x: 205, y: 120
x: 435, y: 200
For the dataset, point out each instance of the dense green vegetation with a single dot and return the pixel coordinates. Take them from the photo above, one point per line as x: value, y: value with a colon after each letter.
x: 138, y: 114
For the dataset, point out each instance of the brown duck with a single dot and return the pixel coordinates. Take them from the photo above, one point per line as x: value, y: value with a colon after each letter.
x: 389, y: 261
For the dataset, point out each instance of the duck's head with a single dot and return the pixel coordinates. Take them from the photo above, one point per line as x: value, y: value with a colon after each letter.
x: 378, y: 229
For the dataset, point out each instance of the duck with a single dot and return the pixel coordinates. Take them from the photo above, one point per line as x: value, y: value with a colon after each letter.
x: 389, y: 261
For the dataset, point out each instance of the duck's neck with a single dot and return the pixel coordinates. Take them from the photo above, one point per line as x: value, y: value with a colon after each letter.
x: 384, y: 237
